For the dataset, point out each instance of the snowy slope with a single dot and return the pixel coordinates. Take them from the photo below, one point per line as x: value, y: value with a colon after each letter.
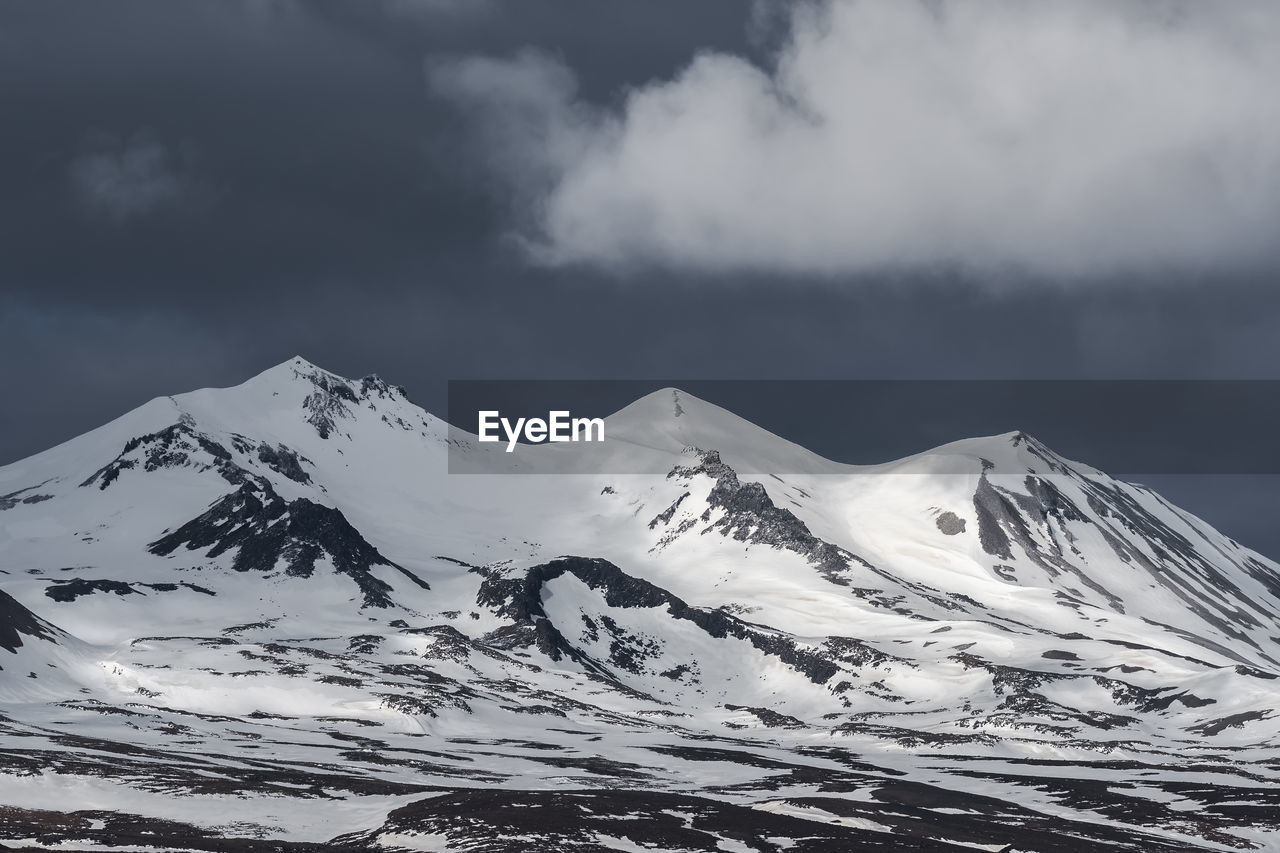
x: 276, y: 601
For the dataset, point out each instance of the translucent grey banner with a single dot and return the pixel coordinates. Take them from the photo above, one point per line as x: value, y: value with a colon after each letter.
x: 1127, y: 428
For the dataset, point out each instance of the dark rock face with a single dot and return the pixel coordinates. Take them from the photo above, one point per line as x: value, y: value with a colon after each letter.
x: 283, y: 461
x: 769, y: 717
x: 268, y: 532
x: 555, y: 821
x: 1231, y: 721
x: 11, y: 500
x: 950, y: 524
x: 664, y: 517
x: 181, y: 446
x: 1171, y: 548
x: 17, y: 622
x: 332, y: 397
x: 64, y: 591
x: 71, y: 590
x: 374, y: 386
x: 751, y: 516
x: 519, y: 598
x: 327, y: 403
x: 176, y: 446
x: 1035, y: 523
x: 120, y: 830
x: 906, y: 816
x: 1005, y: 519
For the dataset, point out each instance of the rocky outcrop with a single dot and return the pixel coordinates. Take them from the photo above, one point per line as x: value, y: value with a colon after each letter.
x: 17, y: 622
x: 269, y: 533
x: 519, y: 598
x: 749, y: 515
x: 176, y: 446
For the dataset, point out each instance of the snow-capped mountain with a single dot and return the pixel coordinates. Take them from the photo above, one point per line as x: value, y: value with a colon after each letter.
x: 304, y: 614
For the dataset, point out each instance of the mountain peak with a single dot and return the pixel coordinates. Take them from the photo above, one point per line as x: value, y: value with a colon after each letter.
x: 672, y: 419
x: 1015, y: 452
x: 300, y: 363
x: 300, y: 369
x: 662, y: 405
x: 294, y: 369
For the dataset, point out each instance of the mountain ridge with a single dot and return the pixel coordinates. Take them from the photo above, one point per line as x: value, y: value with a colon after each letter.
x: 285, y: 574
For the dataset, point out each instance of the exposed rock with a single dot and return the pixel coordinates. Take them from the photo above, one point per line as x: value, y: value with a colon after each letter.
x: 284, y: 461
x: 750, y: 515
x: 175, y: 446
x: 73, y: 589
x: 268, y: 532
x: 70, y: 590
x: 519, y: 598
x: 11, y: 500
x: 1003, y: 521
x: 17, y: 622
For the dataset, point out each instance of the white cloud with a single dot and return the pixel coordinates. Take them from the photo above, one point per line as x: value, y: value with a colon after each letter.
x: 124, y: 179
x: 1060, y: 138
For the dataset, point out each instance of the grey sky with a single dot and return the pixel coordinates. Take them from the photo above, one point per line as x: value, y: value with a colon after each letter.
x: 193, y: 191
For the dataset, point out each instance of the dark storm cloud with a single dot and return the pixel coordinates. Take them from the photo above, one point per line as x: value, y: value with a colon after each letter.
x: 311, y: 120
x: 194, y: 190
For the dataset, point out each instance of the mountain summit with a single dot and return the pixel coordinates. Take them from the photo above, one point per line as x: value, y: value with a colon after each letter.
x: 698, y: 636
